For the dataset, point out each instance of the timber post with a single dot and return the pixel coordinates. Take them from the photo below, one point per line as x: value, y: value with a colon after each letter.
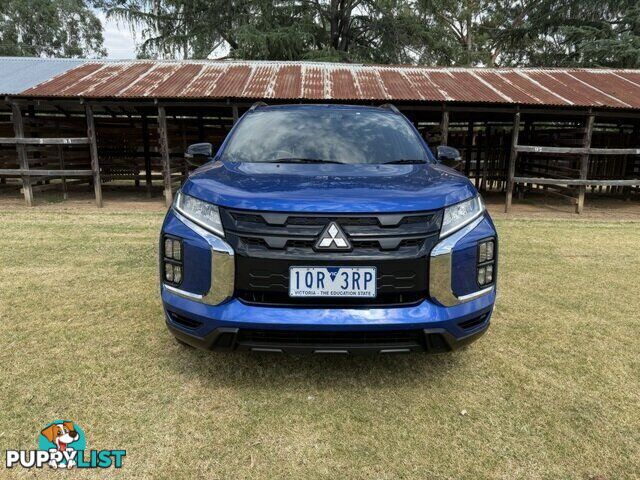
x: 164, y: 153
x: 584, y: 160
x: 147, y: 154
x: 478, y: 173
x: 18, y: 129
x: 468, y: 153
x: 93, y: 150
x: 444, y: 126
x: 635, y: 134
x: 512, y: 160
x: 64, y: 179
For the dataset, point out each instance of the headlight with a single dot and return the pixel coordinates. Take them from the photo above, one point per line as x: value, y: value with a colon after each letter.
x: 458, y: 215
x: 204, y: 214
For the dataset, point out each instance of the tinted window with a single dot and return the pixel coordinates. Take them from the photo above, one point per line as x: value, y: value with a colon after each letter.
x: 339, y: 135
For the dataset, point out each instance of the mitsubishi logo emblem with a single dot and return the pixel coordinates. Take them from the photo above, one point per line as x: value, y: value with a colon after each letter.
x: 333, y: 238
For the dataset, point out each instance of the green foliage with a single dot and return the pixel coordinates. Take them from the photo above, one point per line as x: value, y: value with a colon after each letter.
x: 62, y: 28
x: 431, y: 32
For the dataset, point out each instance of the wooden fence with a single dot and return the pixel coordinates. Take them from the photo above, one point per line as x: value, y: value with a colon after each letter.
x: 48, y: 144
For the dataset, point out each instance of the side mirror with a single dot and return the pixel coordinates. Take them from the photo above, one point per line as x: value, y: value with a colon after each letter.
x: 199, y: 149
x: 449, y: 156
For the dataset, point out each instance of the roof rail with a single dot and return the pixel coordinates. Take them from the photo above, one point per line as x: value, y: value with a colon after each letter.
x: 257, y: 104
x: 390, y: 106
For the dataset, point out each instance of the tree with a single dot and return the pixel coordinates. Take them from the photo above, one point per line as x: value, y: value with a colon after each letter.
x: 339, y: 30
x: 63, y: 28
x: 557, y: 33
x: 586, y: 33
x: 431, y: 32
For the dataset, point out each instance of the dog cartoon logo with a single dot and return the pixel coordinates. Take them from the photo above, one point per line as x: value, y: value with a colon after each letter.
x: 62, y: 444
x: 65, y: 437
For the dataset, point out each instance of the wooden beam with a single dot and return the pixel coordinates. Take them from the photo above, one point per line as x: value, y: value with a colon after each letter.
x: 631, y: 163
x: 64, y: 179
x: 185, y: 166
x: 468, y: 150
x: 93, y: 150
x: 60, y: 148
x: 164, y: 152
x: 62, y: 111
x: 110, y: 112
x: 444, y: 127
x: 154, y: 102
x: 147, y: 154
x: 487, y: 157
x: 12, y: 172
x: 575, y: 181
x: 200, y: 128
x: 577, y: 150
x: 478, y: 158
x: 44, y: 141
x: 584, y: 160
x: 234, y: 111
x: 512, y: 161
x: 18, y: 129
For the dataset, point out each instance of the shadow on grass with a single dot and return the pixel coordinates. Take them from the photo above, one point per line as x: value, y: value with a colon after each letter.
x: 264, y: 370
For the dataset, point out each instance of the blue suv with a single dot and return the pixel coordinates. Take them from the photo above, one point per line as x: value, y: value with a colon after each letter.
x: 327, y: 229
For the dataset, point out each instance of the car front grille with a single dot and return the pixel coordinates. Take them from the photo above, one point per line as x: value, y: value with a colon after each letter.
x: 267, y: 244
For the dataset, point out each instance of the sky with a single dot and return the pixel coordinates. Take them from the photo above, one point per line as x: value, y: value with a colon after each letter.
x: 118, y: 39
x: 120, y: 42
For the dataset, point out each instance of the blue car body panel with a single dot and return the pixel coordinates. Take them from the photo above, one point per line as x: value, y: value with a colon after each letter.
x: 326, y: 188
x: 465, y: 258
x: 329, y: 187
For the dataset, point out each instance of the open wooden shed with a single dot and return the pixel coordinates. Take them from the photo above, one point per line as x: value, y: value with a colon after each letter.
x: 564, y: 131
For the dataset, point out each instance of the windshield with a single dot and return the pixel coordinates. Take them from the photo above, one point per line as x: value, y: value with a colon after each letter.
x: 324, y: 135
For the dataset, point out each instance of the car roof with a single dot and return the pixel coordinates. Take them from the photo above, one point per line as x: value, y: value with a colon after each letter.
x: 321, y: 106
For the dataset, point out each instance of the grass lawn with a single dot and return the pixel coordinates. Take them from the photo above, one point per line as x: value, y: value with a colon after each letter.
x: 552, y: 391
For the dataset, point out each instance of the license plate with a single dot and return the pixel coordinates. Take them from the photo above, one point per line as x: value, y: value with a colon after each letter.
x: 332, y: 282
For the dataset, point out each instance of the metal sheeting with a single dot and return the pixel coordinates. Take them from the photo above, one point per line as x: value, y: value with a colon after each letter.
x: 19, y: 73
x: 327, y: 81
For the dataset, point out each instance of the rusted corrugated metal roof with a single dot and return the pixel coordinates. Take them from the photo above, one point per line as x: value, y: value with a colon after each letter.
x: 330, y: 81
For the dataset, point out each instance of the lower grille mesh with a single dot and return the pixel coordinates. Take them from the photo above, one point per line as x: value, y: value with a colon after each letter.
x: 280, y: 337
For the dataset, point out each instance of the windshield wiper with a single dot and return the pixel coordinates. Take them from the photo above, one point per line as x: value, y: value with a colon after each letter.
x: 302, y: 160
x: 404, y: 161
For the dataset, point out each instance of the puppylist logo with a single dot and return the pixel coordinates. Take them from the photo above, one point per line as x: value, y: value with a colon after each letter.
x: 62, y: 444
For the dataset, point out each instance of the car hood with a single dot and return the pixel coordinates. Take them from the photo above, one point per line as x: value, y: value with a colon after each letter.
x: 328, y: 187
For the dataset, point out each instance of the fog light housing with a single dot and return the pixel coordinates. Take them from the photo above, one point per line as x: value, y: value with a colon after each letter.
x: 172, y: 263
x: 177, y: 274
x: 482, y: 276
x: 168, y: 272
x: 486, y: 262
x: 488, y: 276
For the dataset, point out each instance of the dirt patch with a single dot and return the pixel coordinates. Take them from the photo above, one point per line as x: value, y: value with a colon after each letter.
x: 127, y: 199
x: 597, y: 207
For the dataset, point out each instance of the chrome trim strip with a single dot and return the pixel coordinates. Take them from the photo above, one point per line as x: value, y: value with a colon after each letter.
x: 440, y: 269
x: 474, y: 295
x: 183, y: 293
x: 222, y: 267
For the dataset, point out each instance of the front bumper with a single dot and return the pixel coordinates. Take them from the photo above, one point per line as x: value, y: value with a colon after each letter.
x: 430, y: 340
x: 235, y: 325
x: 208, y: 317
